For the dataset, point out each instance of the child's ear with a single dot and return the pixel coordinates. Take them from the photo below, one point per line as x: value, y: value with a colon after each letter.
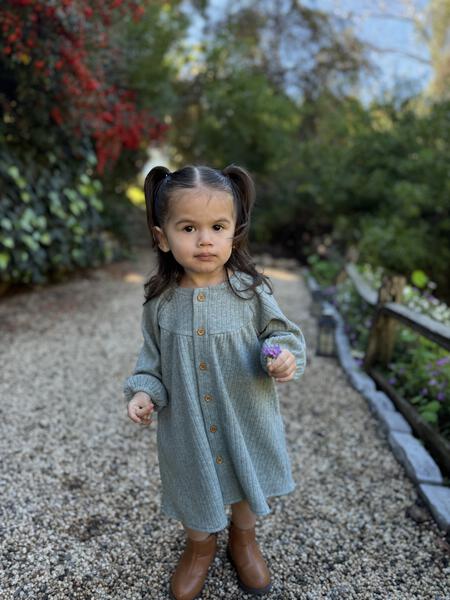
x: 161, y: 239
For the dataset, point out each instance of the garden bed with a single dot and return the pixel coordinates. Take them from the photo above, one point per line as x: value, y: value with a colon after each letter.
x: 419, y: 370
x: 437, y: 445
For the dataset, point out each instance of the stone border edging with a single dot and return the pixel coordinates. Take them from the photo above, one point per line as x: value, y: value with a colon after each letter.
x: 407, y: 449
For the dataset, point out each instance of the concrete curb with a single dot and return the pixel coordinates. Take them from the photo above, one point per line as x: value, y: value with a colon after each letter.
x: 407, y: 449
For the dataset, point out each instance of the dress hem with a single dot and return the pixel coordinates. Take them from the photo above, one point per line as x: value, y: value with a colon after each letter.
x: 172, y: 515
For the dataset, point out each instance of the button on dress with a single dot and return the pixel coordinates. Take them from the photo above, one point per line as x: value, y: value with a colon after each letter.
x: 220, y: 433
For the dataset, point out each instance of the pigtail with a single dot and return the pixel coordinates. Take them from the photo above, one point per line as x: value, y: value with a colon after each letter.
x: 156, y: 185
x: 244, y: 192
x: 152, y: 184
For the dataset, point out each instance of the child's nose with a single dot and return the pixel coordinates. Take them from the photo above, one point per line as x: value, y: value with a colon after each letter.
x: 204, y: 237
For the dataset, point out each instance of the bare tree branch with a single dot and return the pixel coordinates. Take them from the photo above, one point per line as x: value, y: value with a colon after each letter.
x: 410, y: 55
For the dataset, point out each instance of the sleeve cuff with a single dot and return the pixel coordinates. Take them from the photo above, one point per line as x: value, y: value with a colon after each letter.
x: 283, y: 341
x: 146, y: 383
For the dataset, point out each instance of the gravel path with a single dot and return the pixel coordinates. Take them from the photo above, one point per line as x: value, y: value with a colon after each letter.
x: 80, y: 483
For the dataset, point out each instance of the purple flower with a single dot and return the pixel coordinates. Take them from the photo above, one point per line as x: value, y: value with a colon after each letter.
x: 432, y: 382
x: 329, y: 290
x: 443, y: 361
x: 423, y: 392
x: 441, y: 396
x: 271, y: 351
x: 392, y: 381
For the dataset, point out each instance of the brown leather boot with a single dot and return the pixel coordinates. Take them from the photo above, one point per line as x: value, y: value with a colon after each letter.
x: 245, y: 556
x: 190, y: 575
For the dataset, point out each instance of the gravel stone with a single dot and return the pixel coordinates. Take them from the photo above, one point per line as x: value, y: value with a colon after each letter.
x: 80, y: 483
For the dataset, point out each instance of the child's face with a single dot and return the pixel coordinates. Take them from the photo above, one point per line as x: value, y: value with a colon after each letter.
x: 199, y: 231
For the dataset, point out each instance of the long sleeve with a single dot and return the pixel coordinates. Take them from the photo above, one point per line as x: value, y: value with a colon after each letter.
x: 146, y: 376
x: 274, y: 327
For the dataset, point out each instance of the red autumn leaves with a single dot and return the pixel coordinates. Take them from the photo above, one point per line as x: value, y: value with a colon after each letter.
x: 56, y: 44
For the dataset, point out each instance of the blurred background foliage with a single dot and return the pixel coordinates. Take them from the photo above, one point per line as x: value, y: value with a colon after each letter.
x: 76, y: 124
x: 89, y: 87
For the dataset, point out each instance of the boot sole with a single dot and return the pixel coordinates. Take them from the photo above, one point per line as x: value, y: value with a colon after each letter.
x: 172, y: 597
x: 245, y: 588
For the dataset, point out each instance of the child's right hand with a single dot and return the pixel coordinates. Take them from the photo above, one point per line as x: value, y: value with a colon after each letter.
x: 140, y: 408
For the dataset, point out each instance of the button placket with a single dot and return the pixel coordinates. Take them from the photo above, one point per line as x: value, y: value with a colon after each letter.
x: 201, y: 346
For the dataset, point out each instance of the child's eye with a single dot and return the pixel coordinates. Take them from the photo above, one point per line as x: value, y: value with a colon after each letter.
x: 190, y: 228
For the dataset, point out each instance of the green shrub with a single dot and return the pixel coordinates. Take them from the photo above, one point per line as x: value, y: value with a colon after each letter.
x: 50, y: 218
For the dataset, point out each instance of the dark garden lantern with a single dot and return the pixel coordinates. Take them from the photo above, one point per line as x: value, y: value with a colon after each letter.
x: 317, y: 299
x: 326, y: 345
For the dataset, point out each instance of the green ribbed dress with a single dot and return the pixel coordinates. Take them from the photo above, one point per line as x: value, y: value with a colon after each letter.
x: 220, y: 433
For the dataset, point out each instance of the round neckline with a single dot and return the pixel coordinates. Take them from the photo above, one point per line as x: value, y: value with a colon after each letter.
x: 217, y: 286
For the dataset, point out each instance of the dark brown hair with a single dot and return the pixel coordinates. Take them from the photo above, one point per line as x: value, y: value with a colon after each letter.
x: 160, y: 185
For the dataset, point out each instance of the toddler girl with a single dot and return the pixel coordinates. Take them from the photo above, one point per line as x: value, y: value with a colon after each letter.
x: 209, y: 324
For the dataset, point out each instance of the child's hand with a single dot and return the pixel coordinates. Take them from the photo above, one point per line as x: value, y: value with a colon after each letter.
x: 140, y: 408
x: 283, y: 367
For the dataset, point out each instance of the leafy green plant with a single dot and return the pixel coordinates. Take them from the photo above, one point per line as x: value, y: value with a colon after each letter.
x: 420, y: 372
x: 325, y: 271
x: 52, y: 222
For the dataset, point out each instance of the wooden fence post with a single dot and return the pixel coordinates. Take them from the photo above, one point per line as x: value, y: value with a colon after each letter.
x: 382, y: 333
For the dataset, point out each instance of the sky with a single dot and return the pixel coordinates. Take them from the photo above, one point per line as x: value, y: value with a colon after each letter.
x: 385, y: 25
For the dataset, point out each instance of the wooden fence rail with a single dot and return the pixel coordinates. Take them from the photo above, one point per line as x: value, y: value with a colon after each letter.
x: 387, y: 313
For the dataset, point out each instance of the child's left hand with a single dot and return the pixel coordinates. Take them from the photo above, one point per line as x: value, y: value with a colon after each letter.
x: 283, y: 367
